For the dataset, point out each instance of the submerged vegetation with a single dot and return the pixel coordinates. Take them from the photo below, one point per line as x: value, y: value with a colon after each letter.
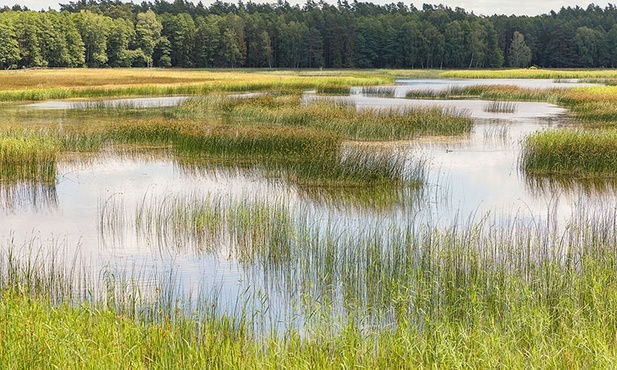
x: 500, y: 107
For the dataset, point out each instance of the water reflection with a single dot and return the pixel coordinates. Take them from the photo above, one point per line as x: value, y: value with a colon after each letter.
x: 38, y: 197
x: 544, y: 186
x: 133, y: 103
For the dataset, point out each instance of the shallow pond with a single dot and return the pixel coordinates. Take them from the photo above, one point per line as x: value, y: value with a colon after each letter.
x: 98, y: 206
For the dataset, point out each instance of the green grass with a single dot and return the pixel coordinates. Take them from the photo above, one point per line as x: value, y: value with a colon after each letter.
x: 535, y: 73
x: 378, y: 91
x: 78, y: 83
x: 333, y: 90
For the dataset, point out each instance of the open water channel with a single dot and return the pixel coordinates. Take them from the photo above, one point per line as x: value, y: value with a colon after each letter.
x: 90, y: 211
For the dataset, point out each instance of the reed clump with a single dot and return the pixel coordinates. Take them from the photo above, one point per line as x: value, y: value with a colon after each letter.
x: 569, y: 152
x: 490, y: 92
x: 592, y: 106
x: 352, y: 123
x: 333, y: 90
x: 257, y: 142
x: 28, y: 158
x: 378, y: 91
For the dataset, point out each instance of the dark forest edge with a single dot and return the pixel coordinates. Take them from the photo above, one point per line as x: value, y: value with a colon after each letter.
x: 315, y: 35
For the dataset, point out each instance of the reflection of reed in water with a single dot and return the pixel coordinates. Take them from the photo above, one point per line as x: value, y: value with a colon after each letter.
x: 540, y: 186
x: 500, y: 107
x: 497, y: 131
x: 25, y: 195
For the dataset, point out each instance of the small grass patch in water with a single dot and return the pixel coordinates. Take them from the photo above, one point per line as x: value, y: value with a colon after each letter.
x: 489, y: 92
x: 333, y: 90
x: 568, y: 152
x: 378, y: 91
x: 27, y: 158
x: 257, y: 142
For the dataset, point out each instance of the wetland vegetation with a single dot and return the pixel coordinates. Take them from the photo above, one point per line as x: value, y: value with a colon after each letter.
x: 334, y: 263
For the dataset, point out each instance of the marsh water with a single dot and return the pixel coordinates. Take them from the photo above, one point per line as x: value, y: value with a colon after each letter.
x: 91, y: 211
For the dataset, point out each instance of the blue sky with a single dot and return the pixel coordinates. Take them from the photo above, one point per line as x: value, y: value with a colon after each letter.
x: 484, y: 7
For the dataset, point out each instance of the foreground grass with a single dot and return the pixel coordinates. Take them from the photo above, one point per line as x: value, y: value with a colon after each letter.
x: 37, y: 335
x: 477, y: 296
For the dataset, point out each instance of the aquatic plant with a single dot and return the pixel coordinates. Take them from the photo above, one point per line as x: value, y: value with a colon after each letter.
x: 356, y: 124
x: 570, y: 152
x: 333, y: 90
x: 378, y: 91
x: 27, y: 158
x: 490, y: 92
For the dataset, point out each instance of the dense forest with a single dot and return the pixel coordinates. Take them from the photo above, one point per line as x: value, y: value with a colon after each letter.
x: 358, y: 35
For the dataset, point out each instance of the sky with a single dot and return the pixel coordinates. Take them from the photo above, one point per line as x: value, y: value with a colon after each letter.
x: 479, y: 7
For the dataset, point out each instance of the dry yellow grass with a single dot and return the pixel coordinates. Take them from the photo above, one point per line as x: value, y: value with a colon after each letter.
x: 105, y: 78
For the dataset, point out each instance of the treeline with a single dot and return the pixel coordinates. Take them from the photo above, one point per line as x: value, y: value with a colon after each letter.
x: 359, y: 35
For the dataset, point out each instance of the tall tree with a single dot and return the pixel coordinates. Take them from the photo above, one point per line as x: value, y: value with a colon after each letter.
x: 94, y: 29
x: 121, y: 35
x: 519, y: 54
x: 148, y: 31
x: 9, y: 48
x: 27, y: 33
x: 180, y: 30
